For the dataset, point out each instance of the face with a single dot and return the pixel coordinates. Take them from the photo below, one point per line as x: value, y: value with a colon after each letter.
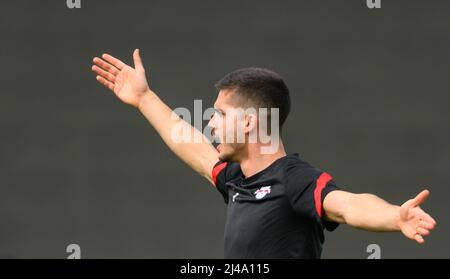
x: 226, y: 124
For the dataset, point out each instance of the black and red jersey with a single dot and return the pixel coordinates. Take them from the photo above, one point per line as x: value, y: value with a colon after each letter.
x: 276, y: 213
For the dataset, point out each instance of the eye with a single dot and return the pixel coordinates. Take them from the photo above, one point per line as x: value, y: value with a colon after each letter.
x: 218, y: 113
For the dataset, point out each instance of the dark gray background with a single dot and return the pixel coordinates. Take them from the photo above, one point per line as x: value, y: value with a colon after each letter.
x: 370, y: 92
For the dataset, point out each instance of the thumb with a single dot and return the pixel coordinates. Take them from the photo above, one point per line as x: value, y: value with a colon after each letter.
x: 137, y: 60
x: 421, y: 197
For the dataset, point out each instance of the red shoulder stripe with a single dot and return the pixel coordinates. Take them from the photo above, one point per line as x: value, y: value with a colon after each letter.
x: 216, y: 170
x: 321, y: 182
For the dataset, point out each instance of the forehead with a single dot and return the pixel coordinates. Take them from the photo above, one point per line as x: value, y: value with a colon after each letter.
x: 225, y: 99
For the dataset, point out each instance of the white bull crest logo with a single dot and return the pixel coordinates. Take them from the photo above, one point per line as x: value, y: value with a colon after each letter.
x: 262, y: 192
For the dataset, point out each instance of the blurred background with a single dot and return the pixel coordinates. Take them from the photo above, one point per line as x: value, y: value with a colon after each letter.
x: 371, y: 106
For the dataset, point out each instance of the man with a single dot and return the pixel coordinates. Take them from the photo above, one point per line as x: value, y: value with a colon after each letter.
x: 277, y: 204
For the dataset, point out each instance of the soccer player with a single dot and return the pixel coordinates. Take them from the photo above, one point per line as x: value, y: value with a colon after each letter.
x: 277, y: 204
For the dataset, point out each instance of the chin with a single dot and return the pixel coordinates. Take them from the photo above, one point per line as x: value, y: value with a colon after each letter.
x: 230, y: 152
x: 227, y: 157
x: 224, y: 156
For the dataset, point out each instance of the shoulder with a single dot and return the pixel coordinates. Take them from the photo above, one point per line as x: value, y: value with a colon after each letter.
x: 225, y: 169
x: 300, y: 172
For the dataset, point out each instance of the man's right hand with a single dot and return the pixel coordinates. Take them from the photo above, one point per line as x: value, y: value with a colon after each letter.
x: 129, y: 84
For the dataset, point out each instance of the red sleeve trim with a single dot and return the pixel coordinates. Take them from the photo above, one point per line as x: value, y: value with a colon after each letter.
x: 216, y: 170
x: 321, y: 182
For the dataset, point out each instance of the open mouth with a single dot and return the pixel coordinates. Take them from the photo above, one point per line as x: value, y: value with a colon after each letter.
x: 216, y: 145
x: 216, y: 142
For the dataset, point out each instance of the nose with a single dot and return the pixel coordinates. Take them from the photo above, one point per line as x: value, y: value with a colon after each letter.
x: 213, y: 126
x: 211, y: 123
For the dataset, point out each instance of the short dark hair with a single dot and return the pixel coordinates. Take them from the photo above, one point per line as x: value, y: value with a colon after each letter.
x: 260, y: 87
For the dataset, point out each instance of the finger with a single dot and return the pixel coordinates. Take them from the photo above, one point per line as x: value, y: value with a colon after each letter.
x: 429, y: 219
x: 419, y: 239
x: 426, y: 225
x: 137, y: 60
x: 106, y: 66
x: 99, y: 71
x: 423, y: 216
x: 423, y: 231
x: 421, y: 197
x: 114, y: 61
x: 105, y: 82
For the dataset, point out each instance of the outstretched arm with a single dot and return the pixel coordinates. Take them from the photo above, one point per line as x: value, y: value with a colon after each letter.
x: 369, y: 212
x: 130, y: 85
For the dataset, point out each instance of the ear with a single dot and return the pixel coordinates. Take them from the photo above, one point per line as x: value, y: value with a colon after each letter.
x: 251, y: 123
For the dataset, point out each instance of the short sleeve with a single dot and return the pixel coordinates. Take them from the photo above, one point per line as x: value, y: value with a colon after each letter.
x: 306, y: 191
x: 219, y: 178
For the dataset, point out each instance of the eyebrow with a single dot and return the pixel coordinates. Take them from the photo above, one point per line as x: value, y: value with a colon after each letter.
x: 219, y: 110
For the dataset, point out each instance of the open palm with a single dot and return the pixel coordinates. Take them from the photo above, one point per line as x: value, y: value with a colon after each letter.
x: 129, y: 84
x: 414, y: 222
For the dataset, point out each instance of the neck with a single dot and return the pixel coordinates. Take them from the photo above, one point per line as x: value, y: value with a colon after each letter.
x: 255, y: 162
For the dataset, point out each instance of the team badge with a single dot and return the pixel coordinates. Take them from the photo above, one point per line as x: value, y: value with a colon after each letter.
x: 262, y: 192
